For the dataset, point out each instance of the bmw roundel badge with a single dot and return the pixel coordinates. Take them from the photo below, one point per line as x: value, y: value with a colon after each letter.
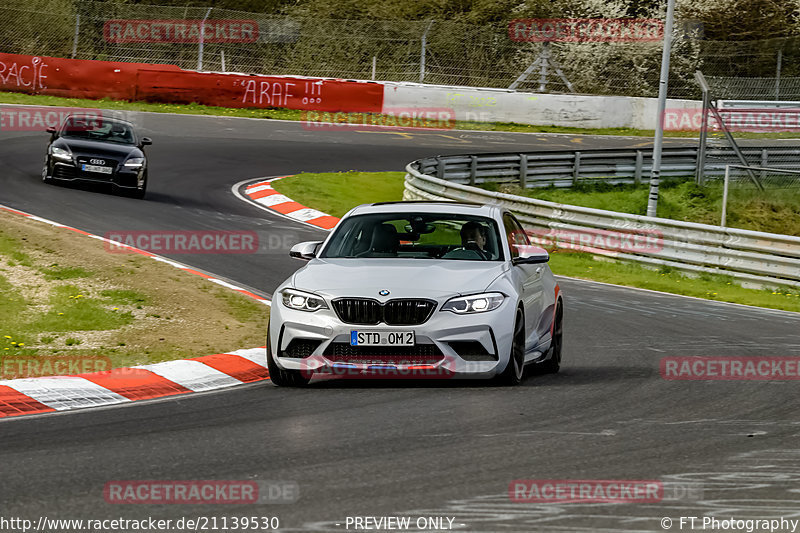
x: 383, y: 292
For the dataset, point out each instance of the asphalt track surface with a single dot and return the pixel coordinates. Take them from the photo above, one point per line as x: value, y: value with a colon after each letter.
x: 426, y: 449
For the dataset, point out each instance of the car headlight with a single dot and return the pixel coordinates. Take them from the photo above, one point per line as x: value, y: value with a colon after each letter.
x: 62, y: 154
x: 477, y: 303
x: 135, y: 162
x: 302, y: 301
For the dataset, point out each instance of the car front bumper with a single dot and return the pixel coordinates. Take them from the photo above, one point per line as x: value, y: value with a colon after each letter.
x: 446, y: 345
x: 122, y: 176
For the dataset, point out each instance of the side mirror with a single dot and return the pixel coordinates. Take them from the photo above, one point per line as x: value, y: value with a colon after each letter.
x: 305, y: 250
x: 51, y: 130
x: 531, y: 255
x: 146, y: 141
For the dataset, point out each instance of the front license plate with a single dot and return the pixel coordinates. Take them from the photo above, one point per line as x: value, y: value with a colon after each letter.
x: 381, y: 338
x: 97, y: 168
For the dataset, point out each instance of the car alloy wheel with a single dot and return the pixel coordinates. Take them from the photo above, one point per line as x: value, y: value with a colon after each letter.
x: 515, y: 369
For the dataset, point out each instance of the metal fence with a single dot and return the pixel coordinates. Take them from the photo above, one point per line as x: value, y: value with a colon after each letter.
x: 748, y: 256
x: 567, y: 168
x: 431, y: 51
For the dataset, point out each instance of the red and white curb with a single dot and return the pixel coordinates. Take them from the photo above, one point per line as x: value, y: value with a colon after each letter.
x: 262, y: 193
x: 123, y: 385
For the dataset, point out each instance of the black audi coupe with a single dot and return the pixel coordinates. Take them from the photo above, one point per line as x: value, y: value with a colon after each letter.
x: 89, y: 148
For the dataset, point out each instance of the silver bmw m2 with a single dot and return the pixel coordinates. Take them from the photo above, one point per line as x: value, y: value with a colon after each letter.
x: 417, y: 290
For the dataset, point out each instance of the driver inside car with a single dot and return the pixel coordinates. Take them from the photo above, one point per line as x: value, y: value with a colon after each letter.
x: 474, y: 237
x: 472, y: 232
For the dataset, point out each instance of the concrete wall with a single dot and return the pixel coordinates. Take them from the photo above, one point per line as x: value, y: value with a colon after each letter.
x: 501, y: 105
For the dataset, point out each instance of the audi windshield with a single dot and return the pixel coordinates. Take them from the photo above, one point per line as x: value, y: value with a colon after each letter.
x: 96, y: 129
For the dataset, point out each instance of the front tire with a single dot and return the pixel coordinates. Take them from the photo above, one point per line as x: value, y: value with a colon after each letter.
x: 553, y: 364
x: 281, y: 377
x: 45, y: 177
x: 515, y: 369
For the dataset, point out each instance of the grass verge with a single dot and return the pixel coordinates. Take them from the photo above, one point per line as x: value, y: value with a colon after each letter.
x: 65, y: 295
x: 295, y: 114
x: 773, y: 210
x: 336, y: 193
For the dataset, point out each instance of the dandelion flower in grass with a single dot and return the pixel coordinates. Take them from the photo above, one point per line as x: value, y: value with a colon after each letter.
x: 21, y: 344
x: 59, y: 314
x: 7, y: 336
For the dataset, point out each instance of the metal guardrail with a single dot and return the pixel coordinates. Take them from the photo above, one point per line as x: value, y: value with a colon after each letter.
x: 748, y: 256
x: 566, y: 168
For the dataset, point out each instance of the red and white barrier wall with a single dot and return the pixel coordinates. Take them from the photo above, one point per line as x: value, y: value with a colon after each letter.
x: 75, y: 78
x: 168, y: 83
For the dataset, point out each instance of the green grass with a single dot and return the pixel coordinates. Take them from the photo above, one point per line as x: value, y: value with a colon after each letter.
x: 708, y: 286
x: 295, y: 114
x: 336, y: 193
x: 124, y: 296
x: 773, y: 211
x: 55, y: 272
x: 11, y: 304
x: 12, y: 249
x: 72, y: 311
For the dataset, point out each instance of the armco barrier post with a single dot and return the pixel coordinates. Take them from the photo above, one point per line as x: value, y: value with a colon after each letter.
x: 473, y: 169
x: 637, y: 171
x: 576, y: 167
x: 440, y: 167
x: 523, y: 171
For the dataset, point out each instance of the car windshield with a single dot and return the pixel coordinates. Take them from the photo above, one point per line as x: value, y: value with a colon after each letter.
x: 416, y: 236
x: 98, y: 129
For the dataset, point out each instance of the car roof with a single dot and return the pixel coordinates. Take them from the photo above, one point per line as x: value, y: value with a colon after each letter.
x: 416, y: 206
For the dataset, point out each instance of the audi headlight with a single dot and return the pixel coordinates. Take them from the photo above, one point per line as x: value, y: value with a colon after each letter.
x: 302, y: 301
x: 62, y: 154
x: 135, y: 162
x: 477, y: 303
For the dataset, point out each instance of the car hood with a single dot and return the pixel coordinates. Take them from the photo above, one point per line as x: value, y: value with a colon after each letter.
x: 403, y: 278
x: 81, y: 147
